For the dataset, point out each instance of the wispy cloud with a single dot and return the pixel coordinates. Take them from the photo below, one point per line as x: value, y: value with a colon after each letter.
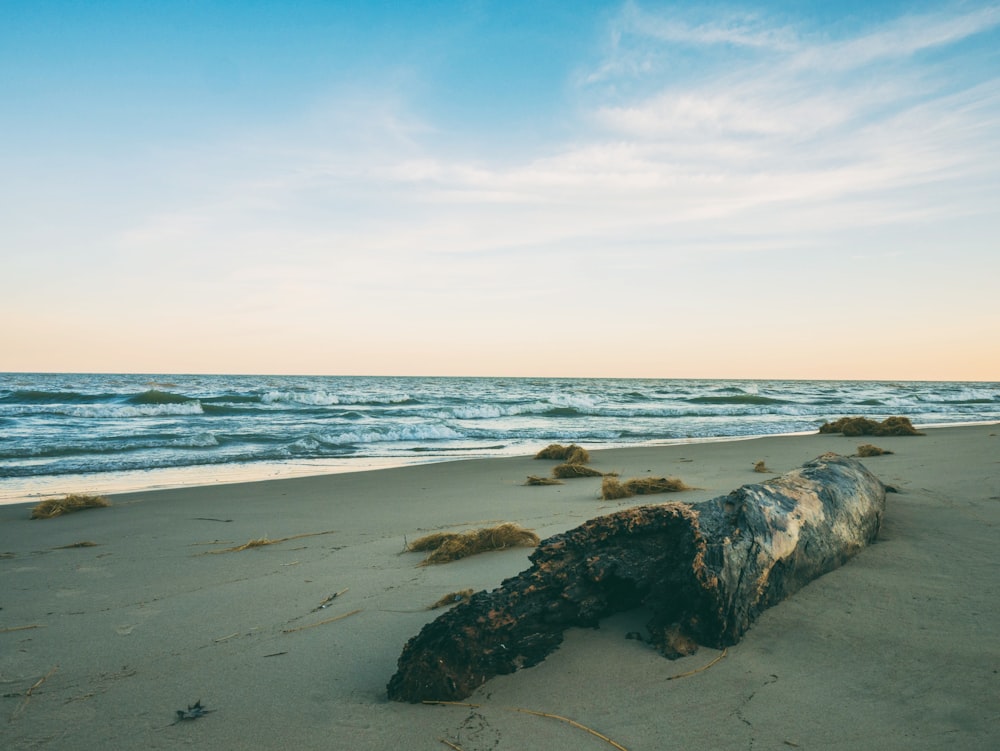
x: 899, y: 39
x: 791, y: 144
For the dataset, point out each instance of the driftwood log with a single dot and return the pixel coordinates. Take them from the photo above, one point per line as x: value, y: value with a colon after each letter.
x: 705, y: 571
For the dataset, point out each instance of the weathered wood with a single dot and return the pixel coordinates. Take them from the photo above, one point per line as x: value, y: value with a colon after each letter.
x: 705, y: 571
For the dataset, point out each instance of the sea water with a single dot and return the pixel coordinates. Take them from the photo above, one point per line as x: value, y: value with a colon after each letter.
x: 61, y: 432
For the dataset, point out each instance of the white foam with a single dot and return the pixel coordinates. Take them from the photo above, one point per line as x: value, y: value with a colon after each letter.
x: 129, y: 410
x: 311, y: 398
x: 409, y: 433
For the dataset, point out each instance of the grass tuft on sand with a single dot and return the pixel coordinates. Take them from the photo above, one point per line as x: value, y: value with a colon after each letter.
x: 855, y: 426
x: 761, y: 466
x: 613, y: 489
x: 451, y: 546
x: 867, y: 449
x: 571, y: 454
x: 74, y: 502
x: 568, y: 471
x: 536, y: 480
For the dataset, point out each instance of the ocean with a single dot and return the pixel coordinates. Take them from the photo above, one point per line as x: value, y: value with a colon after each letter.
x: 103, y: 433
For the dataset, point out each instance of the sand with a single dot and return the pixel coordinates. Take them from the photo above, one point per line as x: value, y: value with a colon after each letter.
x: 101, y: 645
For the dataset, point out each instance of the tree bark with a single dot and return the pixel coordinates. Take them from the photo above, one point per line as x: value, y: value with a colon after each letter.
x: 705, y: 571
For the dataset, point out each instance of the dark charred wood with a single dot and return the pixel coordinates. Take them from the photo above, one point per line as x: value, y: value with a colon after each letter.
x: 705, y: 571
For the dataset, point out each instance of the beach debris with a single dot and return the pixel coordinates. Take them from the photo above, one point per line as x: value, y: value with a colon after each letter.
x: 855, y: 426
x: 570, y: 470
x: 53, y: 507
x: 81, y: 544
x: 21, y: 628
x: 867, y: 449
x: 761, y: 467
x: 264, y: 541
x: 320, y: 623
x: 256, y: 543
x: 705, y: 571
x: 571, y: 454
x: 328, y: 600
x: 453, y: 598
x: 572, y: 723
x: 536, y: 480
x: 193, y: 712
x: 613, y: 489
x: 451, y: 546
x: 532, y: 712
x: 702, y: 669
x: 28, y: 694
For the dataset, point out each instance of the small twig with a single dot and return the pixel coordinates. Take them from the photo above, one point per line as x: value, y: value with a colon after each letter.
x: 449, y: 744
x: 261, y: 542
x: 320, y: 623
x: 224, y: 638
x: 210, y: 519
x: 574, y: 723
x: 21, y: 628
x: 29, y: 692
x: 277, y: 654
x: 698, y: 670
x: 40, y: 681
x: 328, y: 600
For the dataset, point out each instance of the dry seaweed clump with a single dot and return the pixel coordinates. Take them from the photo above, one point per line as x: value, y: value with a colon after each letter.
x: 855, y: 426
x: 571, y: 454
x: 73, y: 502
x: 761, y: 466
x: 451, y: 546
x: 867, y: 449
x: 569, y: 470
x: 536, y: 480
x: 612, y: 489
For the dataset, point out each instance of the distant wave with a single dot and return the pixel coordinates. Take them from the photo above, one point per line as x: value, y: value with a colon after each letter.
x: 562, y: 412
x: 739, y: 399
x: 32, y: 396
x: 155, y: 396
x: 328, y: 399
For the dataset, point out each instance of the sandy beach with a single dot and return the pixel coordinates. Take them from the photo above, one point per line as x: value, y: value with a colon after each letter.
x: 101, y: 644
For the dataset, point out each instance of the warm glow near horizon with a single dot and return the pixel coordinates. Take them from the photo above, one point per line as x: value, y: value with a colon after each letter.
x: 605, y: 189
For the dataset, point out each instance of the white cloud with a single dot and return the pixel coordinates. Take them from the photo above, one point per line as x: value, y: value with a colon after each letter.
x: 778, y: 151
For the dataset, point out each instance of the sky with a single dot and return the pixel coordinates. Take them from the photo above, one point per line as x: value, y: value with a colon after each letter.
x: 501, y: 188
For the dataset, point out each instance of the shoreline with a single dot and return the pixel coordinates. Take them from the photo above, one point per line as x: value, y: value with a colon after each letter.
x: 34, y: 489
x: 101, y: 644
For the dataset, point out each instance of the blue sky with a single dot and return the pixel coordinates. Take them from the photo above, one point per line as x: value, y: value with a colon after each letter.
x: 501, y: 188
